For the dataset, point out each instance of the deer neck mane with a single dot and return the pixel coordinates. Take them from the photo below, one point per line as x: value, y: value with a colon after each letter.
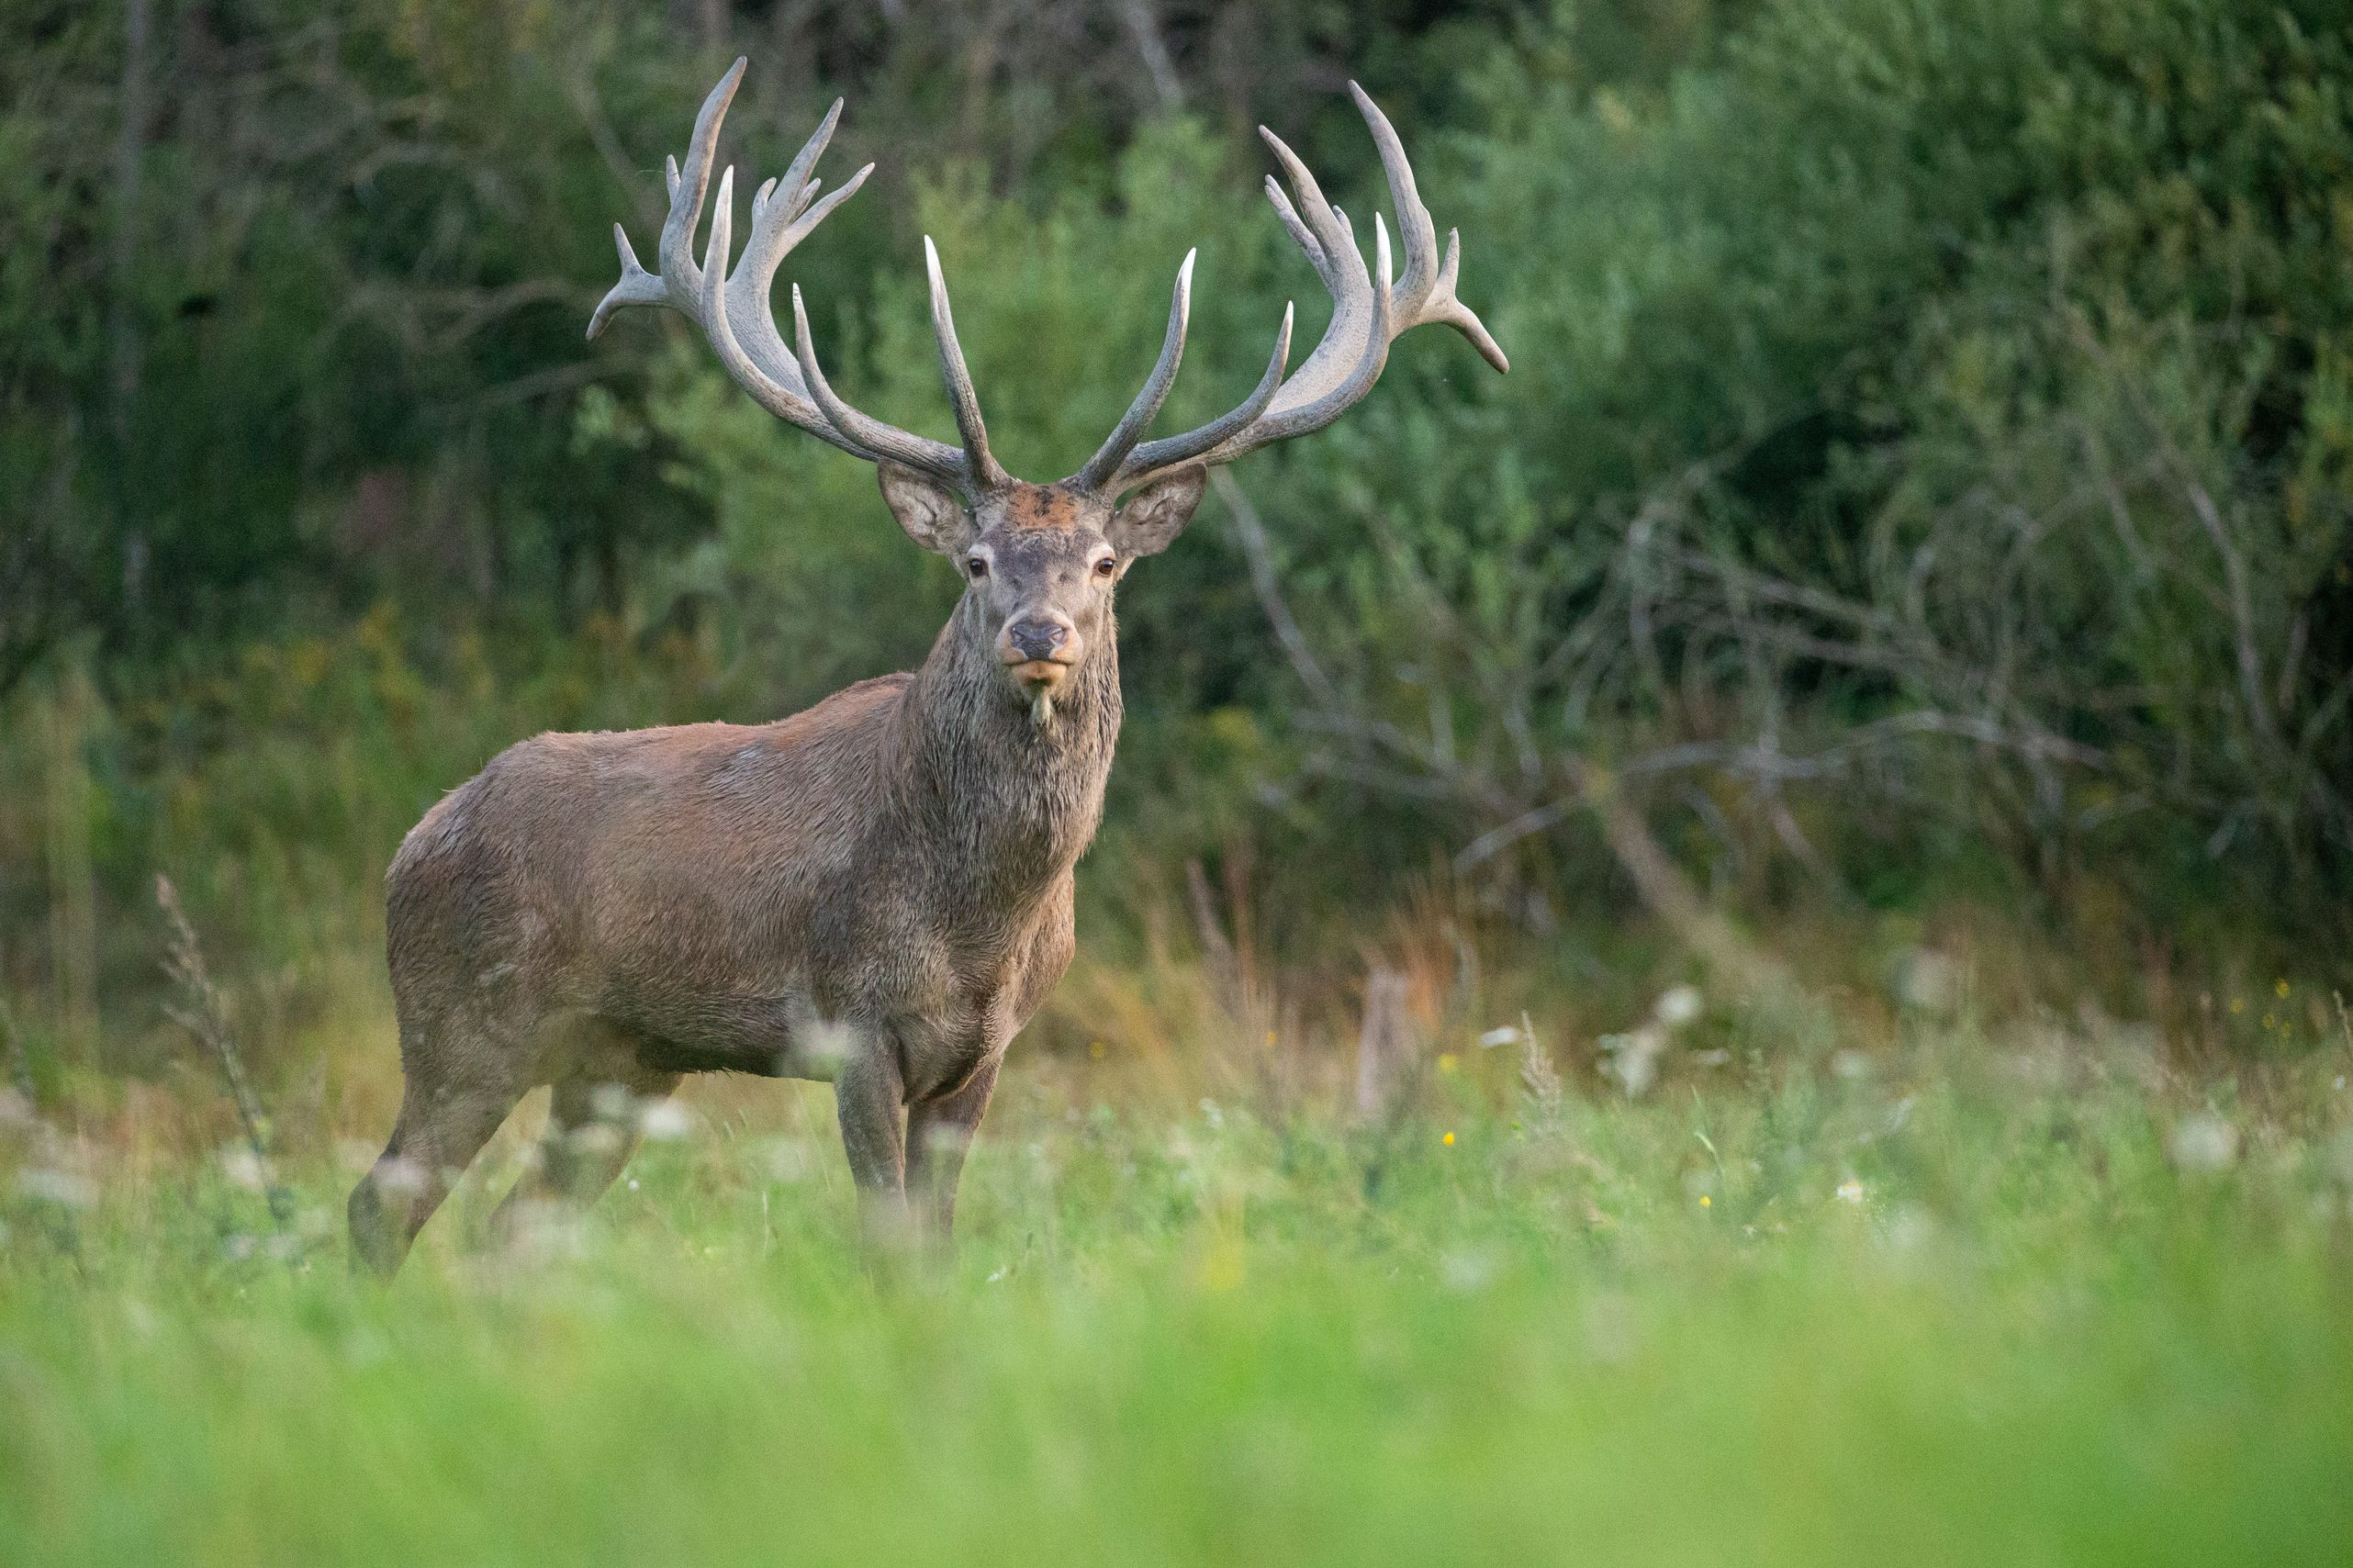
x: 1006, y: 800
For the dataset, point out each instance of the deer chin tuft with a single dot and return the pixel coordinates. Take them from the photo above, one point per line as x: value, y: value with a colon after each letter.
x: 1041, y: 706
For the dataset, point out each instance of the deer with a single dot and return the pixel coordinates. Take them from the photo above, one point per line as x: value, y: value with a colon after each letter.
x: 878, y: 891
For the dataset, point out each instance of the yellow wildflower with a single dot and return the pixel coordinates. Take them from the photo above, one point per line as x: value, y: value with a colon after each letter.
x: 1448, y: 1140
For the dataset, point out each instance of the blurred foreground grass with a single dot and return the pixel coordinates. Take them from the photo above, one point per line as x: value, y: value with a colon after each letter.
x: 1955, y: 1300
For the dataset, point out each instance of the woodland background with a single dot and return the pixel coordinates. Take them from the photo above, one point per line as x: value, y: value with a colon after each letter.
x: 1919, y: 519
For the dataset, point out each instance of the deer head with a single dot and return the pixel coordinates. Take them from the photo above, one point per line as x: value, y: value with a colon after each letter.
x: 1042, y: 560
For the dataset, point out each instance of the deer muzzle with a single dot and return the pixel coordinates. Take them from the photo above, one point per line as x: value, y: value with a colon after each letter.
x: 1039, y: 649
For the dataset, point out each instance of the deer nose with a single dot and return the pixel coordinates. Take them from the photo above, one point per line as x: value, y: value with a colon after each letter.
x: 1037, y: 639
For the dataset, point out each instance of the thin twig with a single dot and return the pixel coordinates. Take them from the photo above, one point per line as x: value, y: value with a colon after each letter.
x: 1269, y: 588
x: 1224, y: 962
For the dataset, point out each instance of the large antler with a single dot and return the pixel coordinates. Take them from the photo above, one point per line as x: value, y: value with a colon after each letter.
x: 1367, y: 316
x: 735, y: 315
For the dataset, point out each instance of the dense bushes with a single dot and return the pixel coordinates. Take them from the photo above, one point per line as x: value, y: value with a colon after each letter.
x: 1931, y: 419
x: 1927, y: 449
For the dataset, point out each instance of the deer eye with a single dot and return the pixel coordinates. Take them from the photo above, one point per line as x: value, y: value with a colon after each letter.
x: 976, y: 568
x: 1107, y: 565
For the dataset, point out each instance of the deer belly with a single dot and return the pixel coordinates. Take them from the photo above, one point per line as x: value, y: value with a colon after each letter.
x: 765, y: 1037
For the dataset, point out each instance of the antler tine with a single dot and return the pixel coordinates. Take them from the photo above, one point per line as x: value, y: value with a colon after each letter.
x: 781, y: 217
x: 689, y: 186
x: 733, y: 309
x: 872, y: 437
x: 748, y: 310
x: 785, y: 402
x: 772, y: 216
x: 982, y: 468
x: 1425, y: 290
x: 1174, y: 451
x: 637, y: 287
x: 1373, y: 358
x: 679, y: 282
x: 1140, y: 413
x: 1335, y: 243
x: 1368, y: 311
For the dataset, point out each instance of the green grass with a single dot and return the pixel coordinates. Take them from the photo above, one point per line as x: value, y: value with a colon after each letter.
x: 1605, y: 1333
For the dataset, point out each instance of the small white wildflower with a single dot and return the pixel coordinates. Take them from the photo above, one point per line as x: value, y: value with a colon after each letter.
x: 1909, y: 1231
x: 788, y: 1158
x: 243, y: 1167
x: 1927, y: 981
x: 665, y: 1121
x: 1612, y: 1329
x: 2202, y: 1141
x: 63, y: 1187
x: 1634, y: 1058
x: 594, y: 1137
x: 632, y: 1184
x: 547, y: 1229
x: 1678, y: 1006
x: 828, y: 1045
x: 402, y: 1178
x: 1501, y: 1034
x: 997, y: 1273
x: 1468, y: 1269
x: 2340, y: 1155
x: 1850, y: 1191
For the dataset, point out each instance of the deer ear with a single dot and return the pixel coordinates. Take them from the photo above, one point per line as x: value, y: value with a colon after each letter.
x: 1150, y: 523
x: 933, y: 517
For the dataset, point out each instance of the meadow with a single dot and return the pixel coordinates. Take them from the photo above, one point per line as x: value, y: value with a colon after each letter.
x: 1954, y: 1292
x: 1837, y: 763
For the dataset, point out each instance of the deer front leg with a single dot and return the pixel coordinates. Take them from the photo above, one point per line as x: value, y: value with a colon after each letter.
x: 870, y: 1098
x: 938, y: 1132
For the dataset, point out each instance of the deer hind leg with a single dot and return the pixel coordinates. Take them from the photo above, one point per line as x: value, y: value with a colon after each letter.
x: 593, y: 1127
x: 451, y: 1102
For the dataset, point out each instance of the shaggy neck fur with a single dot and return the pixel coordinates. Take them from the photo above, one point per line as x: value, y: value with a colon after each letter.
x: 1004, y: 802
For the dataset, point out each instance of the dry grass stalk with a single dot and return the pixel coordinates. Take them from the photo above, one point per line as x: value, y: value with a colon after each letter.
x: 1384, y: 1044
x: 12, y: 1045
x: 205, y: 1017
x: 1537, y: 1076
x: 1216, y: 950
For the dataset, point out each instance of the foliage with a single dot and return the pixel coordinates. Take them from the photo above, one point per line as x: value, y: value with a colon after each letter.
x: 1926, y: 433
x: 1924, y: 470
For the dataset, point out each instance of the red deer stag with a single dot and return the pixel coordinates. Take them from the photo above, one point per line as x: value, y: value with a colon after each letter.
x: 877, y: 892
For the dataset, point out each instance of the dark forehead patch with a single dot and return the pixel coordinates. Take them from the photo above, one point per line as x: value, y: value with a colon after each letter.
x: 1042, y: 506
